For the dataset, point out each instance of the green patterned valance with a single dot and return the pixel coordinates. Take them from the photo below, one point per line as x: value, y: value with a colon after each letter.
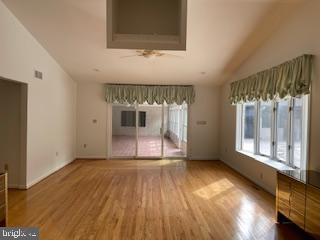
x: 149, y: 93
x: 291, y: 78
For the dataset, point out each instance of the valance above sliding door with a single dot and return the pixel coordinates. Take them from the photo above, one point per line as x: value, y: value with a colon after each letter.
x: 150, y: 94
x: 291, y: 78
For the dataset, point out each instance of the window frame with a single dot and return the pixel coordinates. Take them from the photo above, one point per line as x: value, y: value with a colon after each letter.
x: 289, y: 161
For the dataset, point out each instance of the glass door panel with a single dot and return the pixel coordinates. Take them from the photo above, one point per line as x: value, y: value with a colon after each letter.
x: 149, y: 123
x: 149, y: 131
x: 175, y: 130
x: 123, y: 130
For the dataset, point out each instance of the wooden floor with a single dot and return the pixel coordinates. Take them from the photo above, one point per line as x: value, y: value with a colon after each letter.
x: 165, y: 199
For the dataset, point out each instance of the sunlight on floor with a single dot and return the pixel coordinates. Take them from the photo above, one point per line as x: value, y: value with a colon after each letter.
x: 214, y: 189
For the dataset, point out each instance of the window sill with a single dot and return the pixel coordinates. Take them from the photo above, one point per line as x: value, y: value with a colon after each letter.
x: 267, y: 161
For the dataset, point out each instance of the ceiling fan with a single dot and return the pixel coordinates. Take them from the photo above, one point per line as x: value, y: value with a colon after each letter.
x: 150, y: 54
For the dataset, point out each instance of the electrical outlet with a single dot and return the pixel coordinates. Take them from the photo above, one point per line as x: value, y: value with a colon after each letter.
x: 201, y: 122
x: 261, y: 175
x: 6, y: 167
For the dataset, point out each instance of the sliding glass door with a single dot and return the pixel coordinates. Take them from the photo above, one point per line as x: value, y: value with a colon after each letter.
x: 123, y: 130
x: 149, y: 131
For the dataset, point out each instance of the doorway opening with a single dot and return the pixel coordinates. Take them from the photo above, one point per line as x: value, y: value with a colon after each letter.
x: 13, y: 131
x: 149, y: 131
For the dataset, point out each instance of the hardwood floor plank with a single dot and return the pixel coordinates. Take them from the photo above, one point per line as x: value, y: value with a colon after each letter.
x: 148, y: 199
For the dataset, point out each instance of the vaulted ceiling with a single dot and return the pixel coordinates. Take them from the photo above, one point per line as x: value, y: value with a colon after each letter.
x: 221, y: 34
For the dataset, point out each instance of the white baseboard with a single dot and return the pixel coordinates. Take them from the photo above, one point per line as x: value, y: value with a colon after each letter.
x: 39, y: 179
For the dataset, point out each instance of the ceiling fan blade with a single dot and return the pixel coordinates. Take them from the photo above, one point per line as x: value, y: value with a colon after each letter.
x: 130, y: 56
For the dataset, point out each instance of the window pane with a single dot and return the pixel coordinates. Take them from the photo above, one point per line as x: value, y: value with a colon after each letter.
x: 282, y: 129
x: 128, y: 118
x: 248, y: 127
x: 297, y: 131
x: 142, y: 119
x: 265, y: 128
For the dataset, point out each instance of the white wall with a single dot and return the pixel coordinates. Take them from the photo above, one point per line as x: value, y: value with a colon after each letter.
x: 91, y: 105
x: 51, y: 108
x: 204, y: 143
x: 204, y: 139
x: 299, y: 35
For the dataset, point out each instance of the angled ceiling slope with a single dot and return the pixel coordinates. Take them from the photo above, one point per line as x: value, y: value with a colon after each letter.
x: 74, y: 33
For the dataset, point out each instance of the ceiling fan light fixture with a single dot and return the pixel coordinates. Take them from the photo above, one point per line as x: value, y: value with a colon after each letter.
x: 146, y: 53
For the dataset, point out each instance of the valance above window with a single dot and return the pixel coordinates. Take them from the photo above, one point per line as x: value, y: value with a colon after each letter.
x: 291, y: 78
x: 150, y: 94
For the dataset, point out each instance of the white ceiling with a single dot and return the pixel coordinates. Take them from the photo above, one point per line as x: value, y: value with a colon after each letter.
x: 74, y: 33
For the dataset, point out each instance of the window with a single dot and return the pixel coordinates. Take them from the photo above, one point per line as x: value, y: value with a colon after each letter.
x: 128, y: 119
x: 248, y: 127
x: 265, y: 122
x: 178, y: 121
x: 282, y: 129
x: 299, y: 134
x: 142, y: 119
x: 276, y: 129
x: 185, y: 122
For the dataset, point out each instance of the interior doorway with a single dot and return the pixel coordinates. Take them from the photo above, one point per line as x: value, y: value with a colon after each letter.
x: 13, y: 131
x: 149, y: 131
